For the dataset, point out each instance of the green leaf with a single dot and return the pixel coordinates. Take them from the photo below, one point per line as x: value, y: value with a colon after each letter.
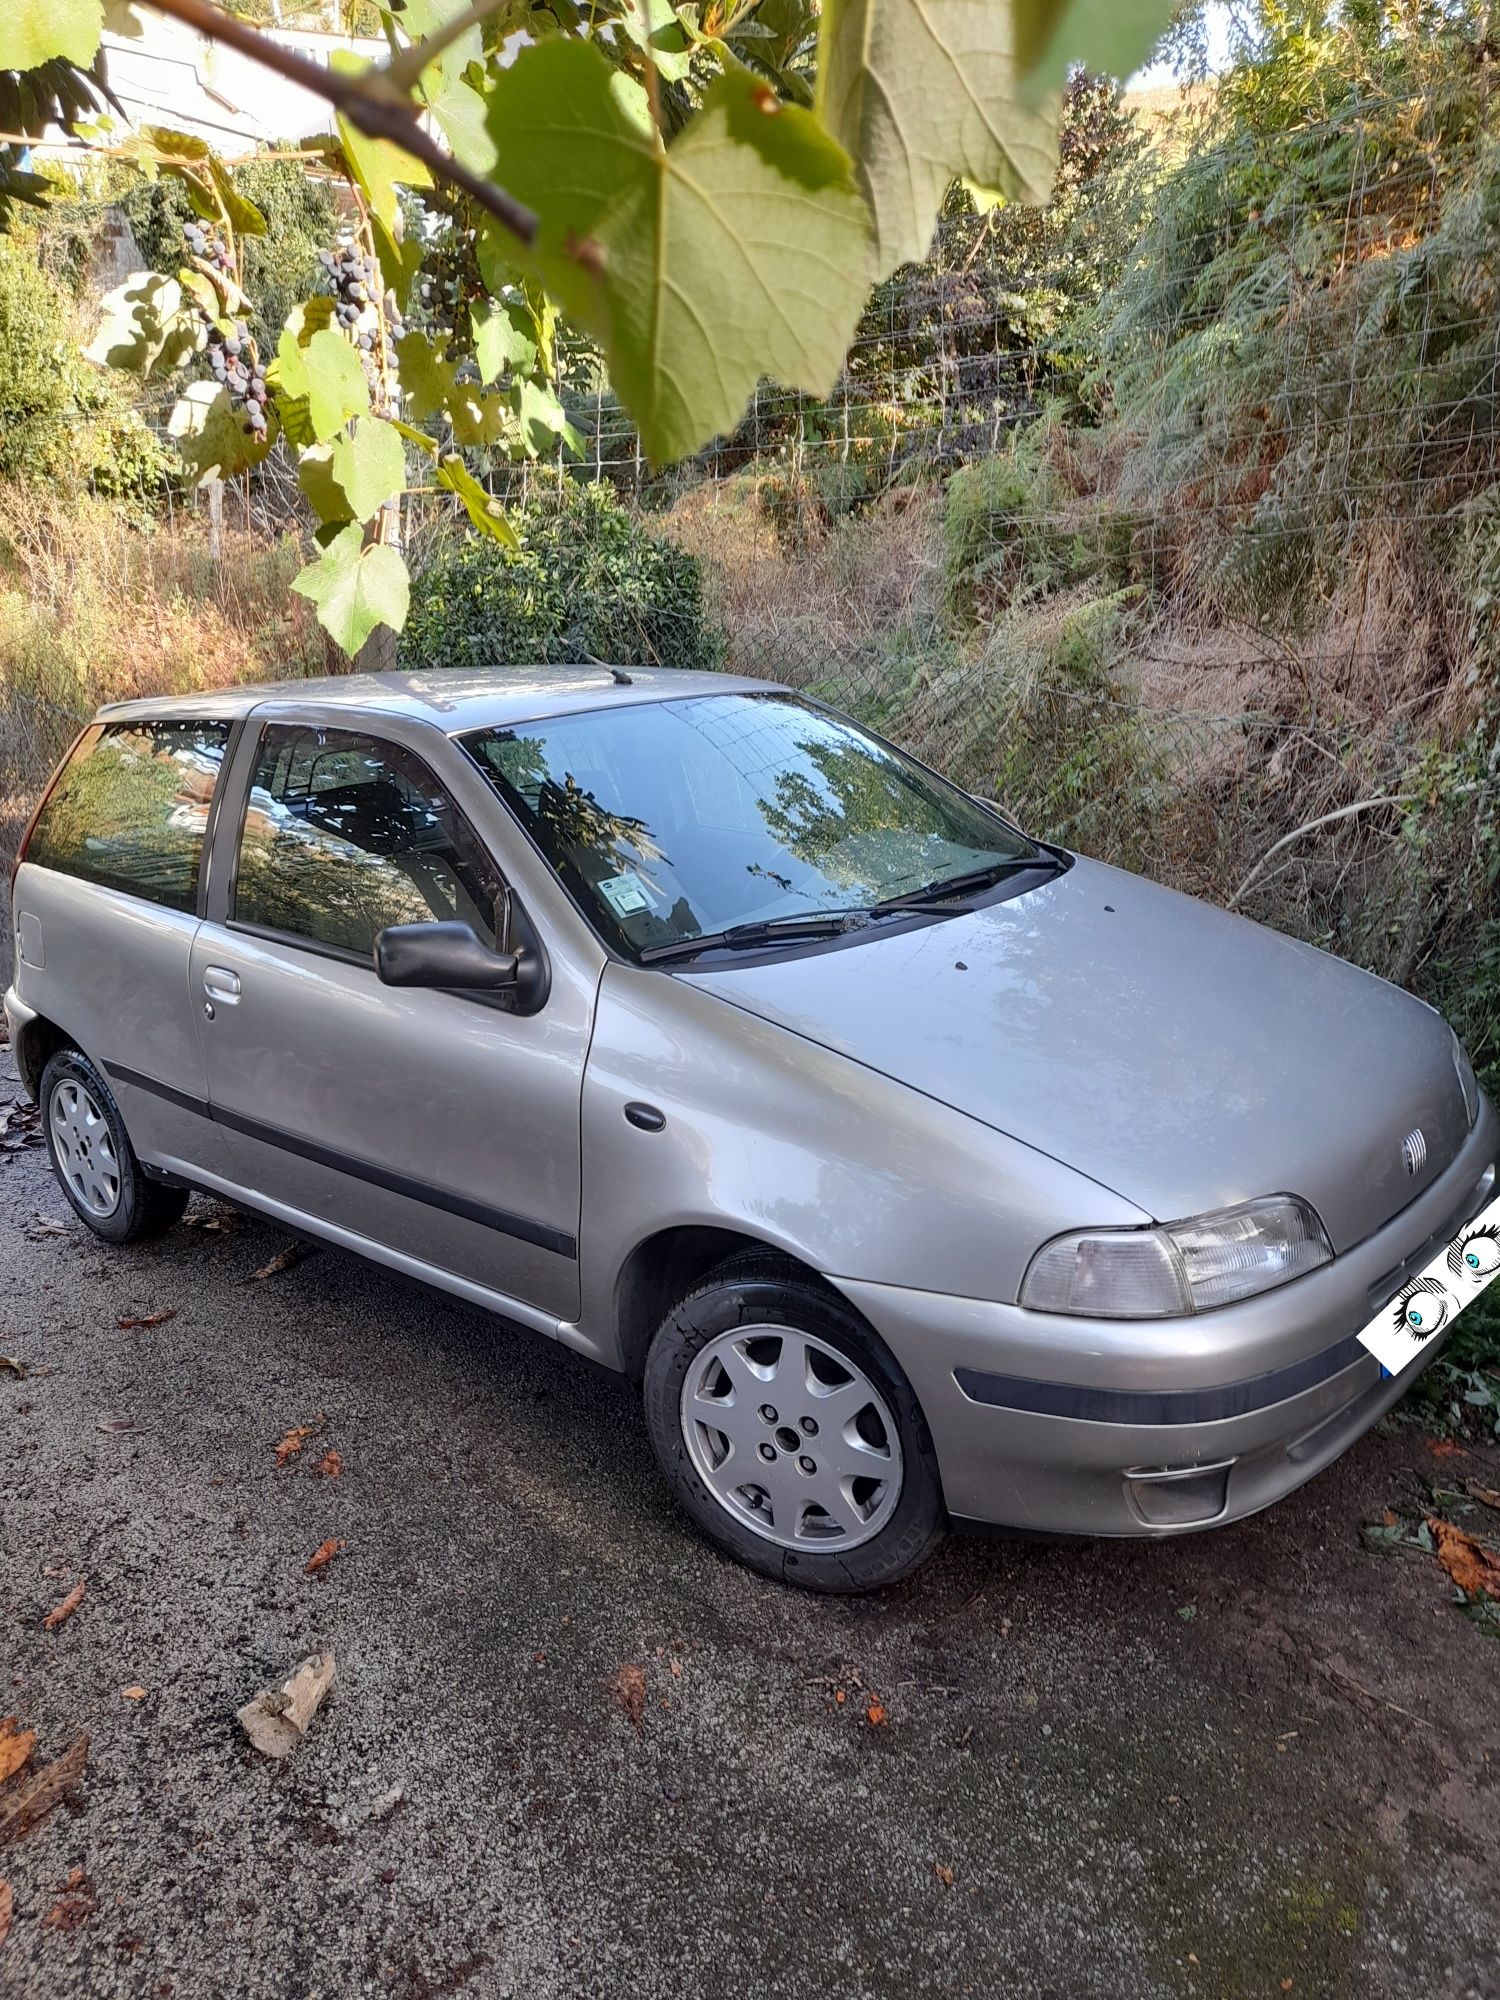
x: 505, y: 337
x: 211, y: 435
x: 370, y: 465
x: 542, y: 417
x: 325, y: 495
x: 741, y: 252
x: 144, y: 327
x: 245, y: 219
x: 355, y: 588
x: 326, y: 375
x: 400, y: 259
x: 922, y: 93
x: 657, y: 32
x: 32, y: 32
x: 1114, y: 39
x: 377, y: 166
x: 426, y: 378
x: 483, y: 509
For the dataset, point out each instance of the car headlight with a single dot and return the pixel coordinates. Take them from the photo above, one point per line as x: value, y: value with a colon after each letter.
x: 1468, y: 1082
x: 1178, y: 1267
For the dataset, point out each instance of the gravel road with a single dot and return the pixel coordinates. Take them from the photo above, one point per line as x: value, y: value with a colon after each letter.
x: 1255, y: 1762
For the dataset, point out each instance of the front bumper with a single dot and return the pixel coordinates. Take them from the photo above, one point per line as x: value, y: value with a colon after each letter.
x: 1138, y: 1427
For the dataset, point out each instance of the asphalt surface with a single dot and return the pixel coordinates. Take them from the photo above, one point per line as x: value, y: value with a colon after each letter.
x: 1254, y: 1762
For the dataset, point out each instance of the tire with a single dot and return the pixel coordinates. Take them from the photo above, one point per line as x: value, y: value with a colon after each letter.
x: 93, y: 1159
x: 757, y: 1315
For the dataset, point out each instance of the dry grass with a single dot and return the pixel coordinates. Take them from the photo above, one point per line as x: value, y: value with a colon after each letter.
x: 93, y: 609
x: 826, y: 605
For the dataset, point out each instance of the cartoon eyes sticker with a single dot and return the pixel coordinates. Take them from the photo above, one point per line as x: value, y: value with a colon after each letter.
x: 1422, y: 1309
x: 1475, y: 1256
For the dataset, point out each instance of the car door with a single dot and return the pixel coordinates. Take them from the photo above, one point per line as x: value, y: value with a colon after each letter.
x: 441, y: 1126
x: 106, y: 908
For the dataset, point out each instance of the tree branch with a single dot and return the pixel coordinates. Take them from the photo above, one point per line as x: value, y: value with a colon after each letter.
x: 370, y: 102
x: 1311, y: 826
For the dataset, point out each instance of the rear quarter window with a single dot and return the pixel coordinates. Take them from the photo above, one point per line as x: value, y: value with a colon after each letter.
x: 130, y: 807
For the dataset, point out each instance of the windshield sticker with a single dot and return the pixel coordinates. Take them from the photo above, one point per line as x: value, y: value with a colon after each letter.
x: 624, y: 895
x: 1429, y: 1302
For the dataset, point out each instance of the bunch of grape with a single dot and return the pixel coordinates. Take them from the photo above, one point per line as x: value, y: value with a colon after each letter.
x: 368, y: 316
x: 233, y: 360
x: 205, y: 243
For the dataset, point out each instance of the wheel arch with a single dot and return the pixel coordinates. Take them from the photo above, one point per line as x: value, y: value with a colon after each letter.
x: 35, y: 1045
x: 664, y: 1267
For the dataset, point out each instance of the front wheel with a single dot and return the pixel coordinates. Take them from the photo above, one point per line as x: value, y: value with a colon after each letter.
x: 93, y: 1158
x: 788, y: 1433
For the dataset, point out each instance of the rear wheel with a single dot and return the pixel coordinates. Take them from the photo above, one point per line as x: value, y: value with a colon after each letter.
x: 789, y: 1434
x: 91, y: 1153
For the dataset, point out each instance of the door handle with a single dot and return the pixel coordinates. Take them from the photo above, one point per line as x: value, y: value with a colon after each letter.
x: 219, y: 983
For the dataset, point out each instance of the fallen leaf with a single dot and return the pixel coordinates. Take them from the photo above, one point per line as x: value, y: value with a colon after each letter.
x: 284, y: 1260
x: 839, y: 1697
x: 630, y: 1693
x: 329, y: 1466
x: 323, y: 1554
x: 294, y: 1440
x: 1471, y: 1565
x: 1391, y: 1518
x: 1486, y: 1495
x: 875, y: 1715
x: 61, y: 1613
x: 135, y: 1692
x: 115, y: 1426
x: 674, y: 1668
x: 6, y: 1906
x: 46, y: 1225
x: 16, y: 1745
x: 1286, y: 1985
x: 76, y: 1904
x: 147, y: 1319
x: 1445, y: 1448
x: 14, y: 1367
x: 26, y: 1804
x: 944, y: 1873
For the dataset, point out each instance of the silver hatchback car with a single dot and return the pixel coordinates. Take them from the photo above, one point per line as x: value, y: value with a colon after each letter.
x: 919, y: 1171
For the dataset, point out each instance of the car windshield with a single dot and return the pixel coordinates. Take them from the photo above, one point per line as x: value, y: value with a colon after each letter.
x: 680, y: 819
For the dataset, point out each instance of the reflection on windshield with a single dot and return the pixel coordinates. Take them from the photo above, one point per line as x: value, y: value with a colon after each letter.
x: 672, y: 820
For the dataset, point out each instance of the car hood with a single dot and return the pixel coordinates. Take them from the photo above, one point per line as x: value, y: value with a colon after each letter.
x: 1183, y: 1057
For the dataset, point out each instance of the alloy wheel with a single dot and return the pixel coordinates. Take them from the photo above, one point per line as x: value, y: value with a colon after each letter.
x: 85, y: 1148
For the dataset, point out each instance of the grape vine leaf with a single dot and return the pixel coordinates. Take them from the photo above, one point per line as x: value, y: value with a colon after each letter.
x: 376, y: 165
x: 355, y: 588
x: 212, y: 435
x: 482, y: 508
x: 504, y: 338
x: 32, y: 32
x: 326, y: 375
x: 315, y: 476
x: 741, y: 251
x: 369, y: 464
x: 1113, y: 38
x: 454, y: 103
x: 143, y: 327
x: 921, y: 93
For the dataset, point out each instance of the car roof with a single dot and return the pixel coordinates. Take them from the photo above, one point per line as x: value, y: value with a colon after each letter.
x: 453, y: 698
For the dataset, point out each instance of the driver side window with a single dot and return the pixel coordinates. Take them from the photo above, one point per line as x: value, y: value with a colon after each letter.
x: 344, y: 834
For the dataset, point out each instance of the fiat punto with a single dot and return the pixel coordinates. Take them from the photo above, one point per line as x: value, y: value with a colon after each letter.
x: 918, y: 1170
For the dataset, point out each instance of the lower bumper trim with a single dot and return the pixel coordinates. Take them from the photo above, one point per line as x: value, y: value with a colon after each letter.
x: 1162, y: 1406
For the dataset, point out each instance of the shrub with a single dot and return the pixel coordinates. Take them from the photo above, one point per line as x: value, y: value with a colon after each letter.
x: 38, y: 367
x: 589, y: 581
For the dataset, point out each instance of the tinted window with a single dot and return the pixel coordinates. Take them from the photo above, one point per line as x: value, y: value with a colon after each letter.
x: 344, y: 834
x: 130, y: 808
x: 672, y: 820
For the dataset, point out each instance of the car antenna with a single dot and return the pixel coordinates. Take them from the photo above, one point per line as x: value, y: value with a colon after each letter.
x: 617, y: 674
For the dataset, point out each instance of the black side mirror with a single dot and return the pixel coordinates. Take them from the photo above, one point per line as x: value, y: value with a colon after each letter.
x: 450, y: 955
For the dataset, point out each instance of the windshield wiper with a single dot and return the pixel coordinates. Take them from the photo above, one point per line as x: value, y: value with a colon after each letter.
x: 765, y: 930
x: 976, y: 878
